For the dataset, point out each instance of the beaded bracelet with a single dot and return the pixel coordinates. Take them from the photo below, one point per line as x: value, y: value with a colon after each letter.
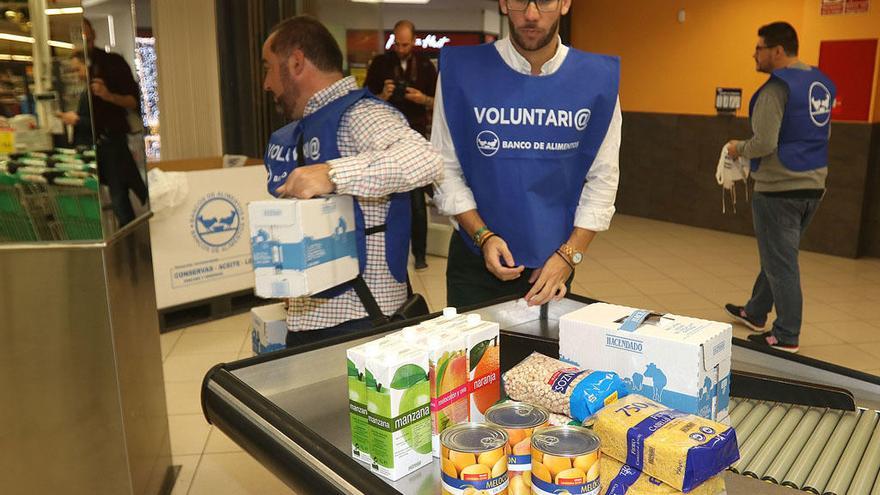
x: 479, y: 233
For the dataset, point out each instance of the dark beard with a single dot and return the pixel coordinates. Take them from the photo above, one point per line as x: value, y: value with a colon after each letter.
x: 285, y: 103
x: 541, y: 43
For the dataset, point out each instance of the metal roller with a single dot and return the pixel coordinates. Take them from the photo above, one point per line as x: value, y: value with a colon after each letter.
x: 756, y: 440
x: 818, y: 479
x: 867, y: 471
x: 751, y: 421
x: 793, y: 446
x: 739, y: 412
x: 777, y: 438
x: 807, y: 457
x: 849, y: 460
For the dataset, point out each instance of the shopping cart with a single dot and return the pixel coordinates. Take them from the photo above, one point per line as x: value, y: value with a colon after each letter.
x: 16, y: 223
x: 76, y: 208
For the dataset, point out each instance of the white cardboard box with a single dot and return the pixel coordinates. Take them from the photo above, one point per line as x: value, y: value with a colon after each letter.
x: 268, y: 328
x: 681, y: 362
x: 302, y: 247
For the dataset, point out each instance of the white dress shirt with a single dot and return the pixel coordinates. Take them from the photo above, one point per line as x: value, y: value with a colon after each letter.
x: 596, y: 205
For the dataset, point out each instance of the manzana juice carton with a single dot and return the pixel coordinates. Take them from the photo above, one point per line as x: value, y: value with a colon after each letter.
x: 398, y: 410
x: 357, y: 396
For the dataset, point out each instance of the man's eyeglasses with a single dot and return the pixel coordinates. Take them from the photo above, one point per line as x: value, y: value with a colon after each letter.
x: 542, y: 5
x: 758, y: 48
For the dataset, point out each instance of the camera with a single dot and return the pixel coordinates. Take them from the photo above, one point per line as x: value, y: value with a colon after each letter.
x: 399, y: 93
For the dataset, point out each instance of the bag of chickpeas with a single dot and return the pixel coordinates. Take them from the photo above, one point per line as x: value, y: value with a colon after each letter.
x: 561, y: 387
x: 681, y: 450
x: 620, y: 479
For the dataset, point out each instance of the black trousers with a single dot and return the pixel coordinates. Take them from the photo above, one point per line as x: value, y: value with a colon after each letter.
x: 468, y: 282
x: 419, y: 230
x: 118, y: 170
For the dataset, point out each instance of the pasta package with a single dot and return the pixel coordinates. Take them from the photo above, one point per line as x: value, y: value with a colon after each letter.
x: 620, y: 479
x: 680, y: 449
x: 562, y: 388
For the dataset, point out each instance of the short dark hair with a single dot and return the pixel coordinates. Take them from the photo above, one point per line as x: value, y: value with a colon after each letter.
x: 79, y: 55
x: 781, y: 34
x: 313, y: 38
x: 407, y: 24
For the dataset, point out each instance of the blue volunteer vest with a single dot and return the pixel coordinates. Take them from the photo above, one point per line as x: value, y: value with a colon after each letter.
x: 526, y: 143
x: 318, y: 132
x: 803, y: 137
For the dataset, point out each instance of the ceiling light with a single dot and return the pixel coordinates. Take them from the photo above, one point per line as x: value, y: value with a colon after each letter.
x: 16, y: 58
x: 28, y: 39
x: 64, y: 10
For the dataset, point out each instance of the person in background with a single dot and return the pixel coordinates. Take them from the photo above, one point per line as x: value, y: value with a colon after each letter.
x: 81, y: 119
x: 531, y: 161
x: 114, y: 93
x: 367, y: 150
x: 407, y: 80
x: 790, y: 117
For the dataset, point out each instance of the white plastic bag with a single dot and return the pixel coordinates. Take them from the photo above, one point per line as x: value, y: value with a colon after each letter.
x: 730, y: 171
x: 167, y: 190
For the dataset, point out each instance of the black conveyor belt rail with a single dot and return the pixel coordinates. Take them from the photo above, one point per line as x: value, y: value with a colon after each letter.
x: 818, y: 450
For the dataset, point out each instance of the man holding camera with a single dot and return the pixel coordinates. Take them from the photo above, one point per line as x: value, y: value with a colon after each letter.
x: 407, y: 80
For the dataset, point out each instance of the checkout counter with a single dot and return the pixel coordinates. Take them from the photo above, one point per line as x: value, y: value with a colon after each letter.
x: 289, y: 410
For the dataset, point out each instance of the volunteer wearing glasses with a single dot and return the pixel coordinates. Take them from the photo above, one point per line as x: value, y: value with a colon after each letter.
x: 791, y: 123
x: 529, y: 132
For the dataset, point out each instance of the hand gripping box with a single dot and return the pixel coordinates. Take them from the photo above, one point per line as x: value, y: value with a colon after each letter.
x: 268, y: 328
x: 302, y: 247
x: 681, y: 362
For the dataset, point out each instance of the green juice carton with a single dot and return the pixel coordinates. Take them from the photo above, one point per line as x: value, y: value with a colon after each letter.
x: 357, y: 396
x: 398, y: 409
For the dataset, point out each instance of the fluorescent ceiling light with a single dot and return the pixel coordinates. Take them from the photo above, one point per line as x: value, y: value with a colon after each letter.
x: 28, y: 39
x: 17, y: 58
x: 392, y: 1
x: 64, y: 10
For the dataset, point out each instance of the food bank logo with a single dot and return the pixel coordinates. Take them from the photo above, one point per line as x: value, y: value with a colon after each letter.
x: 820, y: 104
x: 488, y: 143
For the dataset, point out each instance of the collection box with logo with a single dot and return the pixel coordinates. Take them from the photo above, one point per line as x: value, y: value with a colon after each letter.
x: 200, y: 247
x: 302, y: 247
x: 268, y: 328
x: 681, y: 362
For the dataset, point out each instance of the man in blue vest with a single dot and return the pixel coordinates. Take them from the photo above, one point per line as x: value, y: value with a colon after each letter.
x: 790, y: 117
x: 529, y: 132
x: 342, y: 140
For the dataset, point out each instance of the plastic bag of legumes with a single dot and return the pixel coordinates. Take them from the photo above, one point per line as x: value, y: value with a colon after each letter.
x: 561, y: 387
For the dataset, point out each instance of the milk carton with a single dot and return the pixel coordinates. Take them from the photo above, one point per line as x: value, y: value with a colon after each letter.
x: 268, y: 328
x: 681, y: 362
x: 302, y: 247
x: 484, y: 368
x: 398, y: 411
x: 448, y: 377
x: 356, y: 359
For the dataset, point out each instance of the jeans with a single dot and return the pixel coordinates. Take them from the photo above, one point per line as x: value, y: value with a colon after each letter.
x: 119, y: 171
x: 779, y: 226
x: 295, y: 339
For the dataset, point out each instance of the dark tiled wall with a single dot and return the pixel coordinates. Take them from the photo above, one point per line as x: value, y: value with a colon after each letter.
x: 871, y: 224
x: 667, y: 173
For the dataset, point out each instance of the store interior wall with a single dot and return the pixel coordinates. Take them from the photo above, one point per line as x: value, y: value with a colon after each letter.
x: 672, y: 135
x: 189, y: 79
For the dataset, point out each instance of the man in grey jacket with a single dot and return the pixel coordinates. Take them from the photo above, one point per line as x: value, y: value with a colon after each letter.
x: 790, y: 117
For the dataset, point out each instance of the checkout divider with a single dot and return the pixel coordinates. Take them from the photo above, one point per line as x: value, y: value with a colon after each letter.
x: 289, y: 409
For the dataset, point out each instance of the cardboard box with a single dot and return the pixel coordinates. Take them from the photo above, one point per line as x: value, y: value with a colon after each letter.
x: 268, y: 328
x: 302, y: 247
x: 681, y: 362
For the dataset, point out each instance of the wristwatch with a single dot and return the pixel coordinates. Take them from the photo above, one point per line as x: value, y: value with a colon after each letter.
x: 573, y: 255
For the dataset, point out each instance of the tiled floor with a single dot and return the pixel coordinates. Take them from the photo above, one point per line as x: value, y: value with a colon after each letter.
x: 639, y: 262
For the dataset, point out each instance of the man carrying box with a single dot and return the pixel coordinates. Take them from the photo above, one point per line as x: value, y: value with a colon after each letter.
x: 529, y: 131
x: 342, y: 140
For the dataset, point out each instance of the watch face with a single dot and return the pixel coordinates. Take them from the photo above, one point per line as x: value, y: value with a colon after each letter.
x: 577, y: 258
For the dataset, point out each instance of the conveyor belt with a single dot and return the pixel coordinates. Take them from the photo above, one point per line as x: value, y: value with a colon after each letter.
x: 819, y: 450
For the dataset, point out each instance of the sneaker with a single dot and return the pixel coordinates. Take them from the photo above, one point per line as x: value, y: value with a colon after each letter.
x: 738, y: 313
x: 767, y: 338
x: 421, y: 265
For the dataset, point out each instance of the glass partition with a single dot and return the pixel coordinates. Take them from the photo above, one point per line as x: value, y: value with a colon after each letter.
x: 70, y: 165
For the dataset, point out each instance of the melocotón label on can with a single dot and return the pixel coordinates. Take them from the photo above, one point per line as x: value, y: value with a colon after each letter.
x: 565, y: 459
x: 519, y: 419
x: 473, y: 460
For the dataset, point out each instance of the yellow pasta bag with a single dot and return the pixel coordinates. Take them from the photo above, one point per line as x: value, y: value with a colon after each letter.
x: 680, y: 449
x: 620, y: 479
